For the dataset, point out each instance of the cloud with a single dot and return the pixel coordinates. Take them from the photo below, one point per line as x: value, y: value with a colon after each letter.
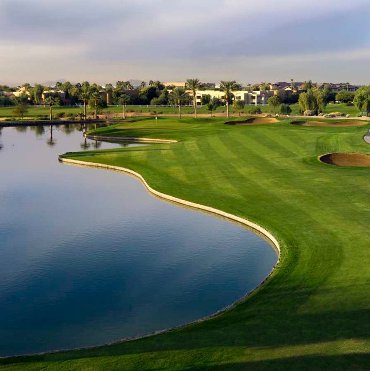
x: 173, y: 37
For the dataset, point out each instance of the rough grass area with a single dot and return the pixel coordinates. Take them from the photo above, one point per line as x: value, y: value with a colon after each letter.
x: 314, y: 311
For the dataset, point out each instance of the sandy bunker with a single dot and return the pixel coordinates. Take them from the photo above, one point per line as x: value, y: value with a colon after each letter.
x: 342, y: 123
x: 346, y: 159
x: 254, y: 121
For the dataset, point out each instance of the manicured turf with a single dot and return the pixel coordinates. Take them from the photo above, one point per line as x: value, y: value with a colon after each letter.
x: 314, y: 312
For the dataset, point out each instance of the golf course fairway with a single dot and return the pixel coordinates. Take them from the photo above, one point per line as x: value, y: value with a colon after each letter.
x: 313, y: 312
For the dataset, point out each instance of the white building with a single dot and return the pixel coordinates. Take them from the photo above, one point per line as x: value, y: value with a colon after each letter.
x: 255, y: 97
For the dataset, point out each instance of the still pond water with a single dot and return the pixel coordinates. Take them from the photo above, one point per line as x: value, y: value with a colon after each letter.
x: 87, y: 256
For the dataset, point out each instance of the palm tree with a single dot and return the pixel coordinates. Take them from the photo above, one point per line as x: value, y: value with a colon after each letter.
x: 227, y: 87
x: 109, y: 90
x: 126, y: 85
x: 179, y: 96
x: 124, y: 99
x: 50, y: 101
x: 84, y: 95
x: 95, y: 96
x: 193, y: 85
x: 37, y: 93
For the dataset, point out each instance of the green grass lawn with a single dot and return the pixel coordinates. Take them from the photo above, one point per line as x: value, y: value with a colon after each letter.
x: 314, y: 312
x: 37, y: 112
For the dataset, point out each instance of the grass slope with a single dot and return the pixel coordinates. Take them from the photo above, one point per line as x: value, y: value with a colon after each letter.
x: 314, y: 311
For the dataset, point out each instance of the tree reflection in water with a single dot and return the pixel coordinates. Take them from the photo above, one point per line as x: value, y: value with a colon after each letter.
x: 68, y: 129
x: 39, y: 130
x: 85, y: 144
x: 51, y: 142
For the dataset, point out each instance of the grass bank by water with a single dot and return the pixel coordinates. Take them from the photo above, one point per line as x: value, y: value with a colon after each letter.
x: 314, y: 311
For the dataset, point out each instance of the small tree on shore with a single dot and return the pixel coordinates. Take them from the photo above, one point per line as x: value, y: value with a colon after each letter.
x: 213, y: 104
x: 20, y: 110
x: 311, y: 101
x: 345, y: 96
x: 239, y: 106
x: 362, y: 99
x: 274, y: 103
x: 285, y: 109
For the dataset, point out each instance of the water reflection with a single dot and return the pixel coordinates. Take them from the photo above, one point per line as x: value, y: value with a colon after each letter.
x: 68, y: 129
x: 39, y: 130
x: 51, y: 141
x: 87, y: 256
x: 21, y: 128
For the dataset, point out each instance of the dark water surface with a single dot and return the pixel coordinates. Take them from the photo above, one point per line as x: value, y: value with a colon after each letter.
x: 87, y: 256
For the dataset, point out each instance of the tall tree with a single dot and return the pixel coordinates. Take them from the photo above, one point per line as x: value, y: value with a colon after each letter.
x: 50, y: 101
x: 84, y: 95
x: 362, y: 99
x: 274, y: 102
x: 109, y: 91
x: 179, y: 97
x: 228, y: 87
x: 311, y: 100
x: 239, y: 106
x: 345, y: 96
x: 307, y: 85
x: 37, y: 91
x: 194, y: 85
x: 124, y: 100
x: 124, y: 85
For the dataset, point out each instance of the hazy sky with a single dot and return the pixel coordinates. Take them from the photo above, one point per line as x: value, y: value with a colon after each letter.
x: 171, y: 40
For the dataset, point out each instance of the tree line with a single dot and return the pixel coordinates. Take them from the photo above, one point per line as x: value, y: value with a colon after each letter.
x: 312, y: 99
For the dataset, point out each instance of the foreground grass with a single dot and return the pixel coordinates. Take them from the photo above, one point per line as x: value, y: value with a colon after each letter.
x: 314, y: 311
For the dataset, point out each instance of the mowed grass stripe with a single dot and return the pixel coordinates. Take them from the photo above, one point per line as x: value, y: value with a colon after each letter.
x: 316, y: 305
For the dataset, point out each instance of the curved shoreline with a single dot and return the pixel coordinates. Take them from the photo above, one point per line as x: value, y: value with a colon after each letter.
x: 255, y: 227
x: 193, y: 205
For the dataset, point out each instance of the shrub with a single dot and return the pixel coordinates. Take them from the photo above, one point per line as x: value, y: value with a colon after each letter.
x: 309, y: 112
x: 285, y: 109
x: 59, y: 115
x: 255, y: 110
